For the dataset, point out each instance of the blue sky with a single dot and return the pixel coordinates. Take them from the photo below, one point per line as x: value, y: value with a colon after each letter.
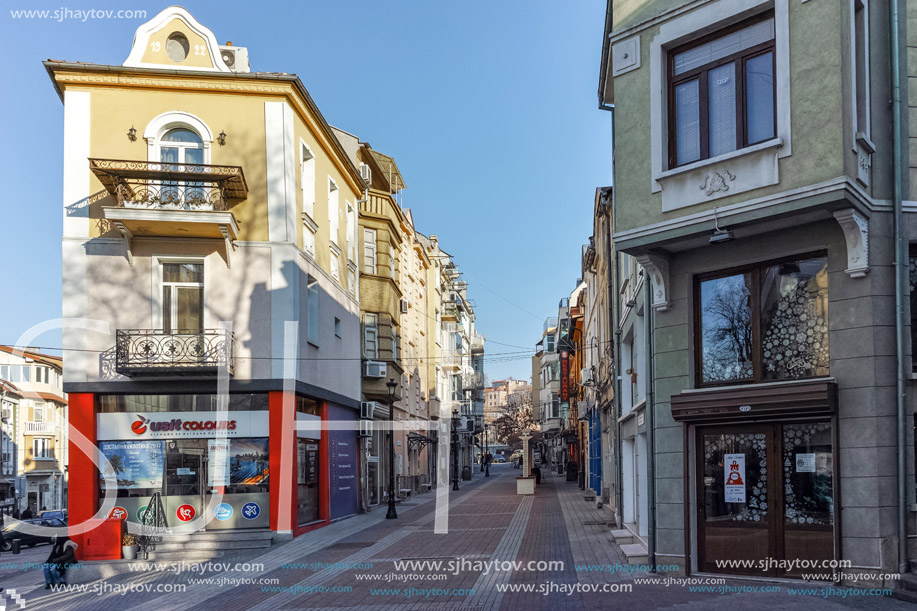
x: 488, y: 107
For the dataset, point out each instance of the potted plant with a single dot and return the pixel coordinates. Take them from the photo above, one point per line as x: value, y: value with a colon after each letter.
x: 129, y: 546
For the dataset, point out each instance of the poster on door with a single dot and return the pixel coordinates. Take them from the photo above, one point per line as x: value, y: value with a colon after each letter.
x: 218, y: 462
x: 734, y: 468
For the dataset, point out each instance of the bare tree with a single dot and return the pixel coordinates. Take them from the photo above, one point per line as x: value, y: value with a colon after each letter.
x: 518, y: 417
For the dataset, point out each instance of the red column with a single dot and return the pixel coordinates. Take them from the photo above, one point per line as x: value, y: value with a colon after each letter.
x: 83, y: 485
x: 282, y: 409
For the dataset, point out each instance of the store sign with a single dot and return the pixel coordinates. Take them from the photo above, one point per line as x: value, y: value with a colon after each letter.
x: 223, y: 512
x: 564, y: 375
x: 734, y: 468
x: 185, y: 513
x: 182, y: 425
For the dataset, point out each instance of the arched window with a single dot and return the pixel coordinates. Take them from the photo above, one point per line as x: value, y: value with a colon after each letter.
x: 181, y: 145
x: 183, y: 139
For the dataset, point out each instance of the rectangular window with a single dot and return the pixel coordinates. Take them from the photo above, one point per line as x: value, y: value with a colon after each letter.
x: 549, y: 344
x: 307, y: 180
x: 308, y: 239
x: 351, y: 232
x: 370, y: 336
x: 182, y: 297
x: 369, y: 251
x: 721, y: 92
x: 351, y: 281
x: 765, y: 322
x: 333, y: 210
x: 38, y: 414
x: 312, y: 314
x: 335, y: 266
x: 41, y: 448
x: 391, y: 260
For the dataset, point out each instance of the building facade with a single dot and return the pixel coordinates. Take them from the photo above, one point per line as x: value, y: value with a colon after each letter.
x: 208, y: 226
x: 762, y: 397
x: 34, y: 438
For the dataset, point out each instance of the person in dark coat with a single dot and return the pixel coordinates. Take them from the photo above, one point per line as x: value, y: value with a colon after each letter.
x: 62, y: 555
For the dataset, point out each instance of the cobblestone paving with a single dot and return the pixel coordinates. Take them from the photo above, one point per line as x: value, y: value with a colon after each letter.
x: 488, y: 523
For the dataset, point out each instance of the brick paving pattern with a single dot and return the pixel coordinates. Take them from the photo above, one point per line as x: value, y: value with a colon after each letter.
x: 488, y: 522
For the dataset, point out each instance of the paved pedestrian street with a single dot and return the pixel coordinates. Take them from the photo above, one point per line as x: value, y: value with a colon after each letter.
x: 502, y: 551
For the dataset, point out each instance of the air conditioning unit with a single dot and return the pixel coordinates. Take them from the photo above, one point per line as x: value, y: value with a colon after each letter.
x: 235, y: 58
x: 366, y: 173
x: 366, y: 409
x: 366, y: 428
x: 404, y: 306
x: 375, y: 369
x: 586, y: 376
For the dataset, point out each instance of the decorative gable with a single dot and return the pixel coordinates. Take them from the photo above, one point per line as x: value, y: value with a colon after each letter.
x: 174, y: 39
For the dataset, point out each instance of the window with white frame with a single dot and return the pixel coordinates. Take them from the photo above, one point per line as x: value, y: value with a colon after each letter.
x: 351, y: 232
x: 391, y: 260
x: 369, y: 251
x: 41, y: 448
x: 38, y: 414
x: 333, y: 210
x: 308, y: 240
x: 722, y: 94
x: 182, y: 297
x: 312, y: 312
x: 370, y: 336
x: 335, y: 266
x: 307, y: 179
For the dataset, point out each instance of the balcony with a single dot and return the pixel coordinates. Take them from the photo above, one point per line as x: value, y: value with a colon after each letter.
x: 171, y: 199
x: 39, y: 428
x: 451, y: 311
x: 477, y: 343
x: 147, y: 352
x: 473, y: 381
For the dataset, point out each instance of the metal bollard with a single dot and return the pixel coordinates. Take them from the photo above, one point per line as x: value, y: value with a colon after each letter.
x: 16, y: 546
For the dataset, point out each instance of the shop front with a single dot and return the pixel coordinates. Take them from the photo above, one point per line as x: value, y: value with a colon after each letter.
x: 763, y: 477
x: 275, y: 461
x: 171, y: 452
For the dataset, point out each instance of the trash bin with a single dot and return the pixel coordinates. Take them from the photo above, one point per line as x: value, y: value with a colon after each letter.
x: 466, y: 473
x: 572, y: 472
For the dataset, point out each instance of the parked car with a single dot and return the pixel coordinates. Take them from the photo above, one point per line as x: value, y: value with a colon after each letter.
x: 499, y: 458
x: 10, y: 532
x: 54, y: 514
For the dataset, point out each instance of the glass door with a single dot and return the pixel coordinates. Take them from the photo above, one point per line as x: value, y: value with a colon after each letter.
x: 765, y: 497
x: 736, y: 499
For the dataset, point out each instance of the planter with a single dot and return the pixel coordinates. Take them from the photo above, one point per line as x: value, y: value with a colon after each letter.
x: 525, y: 485
x: 130, y: 551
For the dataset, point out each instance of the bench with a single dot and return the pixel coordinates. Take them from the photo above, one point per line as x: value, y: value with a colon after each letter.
x: 405, y: 492
x: 426, y: 487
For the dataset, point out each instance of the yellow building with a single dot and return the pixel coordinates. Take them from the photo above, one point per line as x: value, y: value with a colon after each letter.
x: 210, y: 224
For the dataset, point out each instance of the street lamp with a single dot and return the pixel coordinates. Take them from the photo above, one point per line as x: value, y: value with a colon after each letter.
x: 392, y: 514
x: 455, y: 449
x: 486, y: 451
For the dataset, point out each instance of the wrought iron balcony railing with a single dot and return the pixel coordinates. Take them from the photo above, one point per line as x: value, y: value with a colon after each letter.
x: 473, y: 381
x: 171, y: 186
x: 183, y: 352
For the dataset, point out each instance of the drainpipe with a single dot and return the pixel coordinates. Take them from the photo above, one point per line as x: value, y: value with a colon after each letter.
x: 900, y: 281
x: 650, y: 428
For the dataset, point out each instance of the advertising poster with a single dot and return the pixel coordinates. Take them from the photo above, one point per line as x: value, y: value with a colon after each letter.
x: 343, y: 467
x: 734, y: 468
x: 136, y: 464
x: 218, y: 462
x: 248, y: 462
